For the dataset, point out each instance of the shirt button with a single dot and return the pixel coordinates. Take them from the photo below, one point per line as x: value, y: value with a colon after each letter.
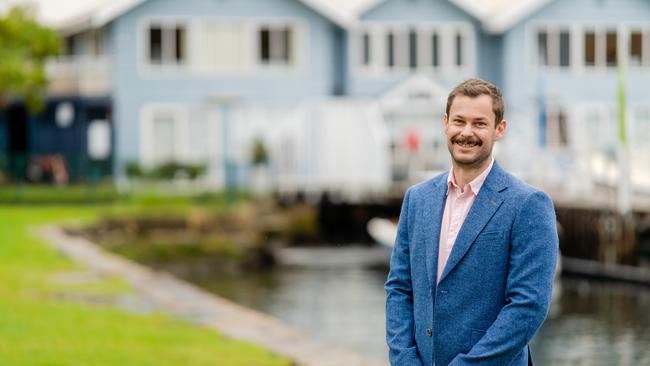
x: 429, y: 332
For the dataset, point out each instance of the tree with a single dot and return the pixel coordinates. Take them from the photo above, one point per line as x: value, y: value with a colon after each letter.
x: 25, y: 45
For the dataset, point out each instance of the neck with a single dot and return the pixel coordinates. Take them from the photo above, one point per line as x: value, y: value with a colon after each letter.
x: 467, y: 173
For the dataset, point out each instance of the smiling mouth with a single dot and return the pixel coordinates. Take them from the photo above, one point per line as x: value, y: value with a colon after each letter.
x: 466, y: 142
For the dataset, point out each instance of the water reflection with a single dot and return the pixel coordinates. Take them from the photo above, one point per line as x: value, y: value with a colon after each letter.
x: 596, y: 323
x: 336, y: 295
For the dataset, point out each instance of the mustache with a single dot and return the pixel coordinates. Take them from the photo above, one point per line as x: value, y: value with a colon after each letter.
x: 466, y: 140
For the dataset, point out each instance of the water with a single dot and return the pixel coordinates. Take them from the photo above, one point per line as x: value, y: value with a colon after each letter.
x: 336, y: 295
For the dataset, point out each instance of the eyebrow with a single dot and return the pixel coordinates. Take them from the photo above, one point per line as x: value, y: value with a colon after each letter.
x: 461, y: 117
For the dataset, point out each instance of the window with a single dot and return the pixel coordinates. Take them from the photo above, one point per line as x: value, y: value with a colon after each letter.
x: 223, y: 46
x: 459, y: 50
x: 553, y: 47
x: 167, y: 44
x: 390, y: 49
x: 70, y: 48
x: 394, y: 47
x: 590, y: 48
x: 601, y: 47
x: 275, y: 45
x: 611, y: 49
x: 413, y: 49
x: 636, y: 48
x: 556, y: 128
x: 365, y: 60
x: 96, y: 42
x: 435, y: 52
x: 99, y: 139
x: 564, y: 49
x: 542, y: 48
x: 641, y: 129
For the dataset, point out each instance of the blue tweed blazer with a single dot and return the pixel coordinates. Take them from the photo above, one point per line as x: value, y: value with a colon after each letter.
x: 495, y: 290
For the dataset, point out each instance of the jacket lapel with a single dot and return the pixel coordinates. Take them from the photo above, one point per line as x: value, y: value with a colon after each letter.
x: 485, y: 205
x: 431, y: 220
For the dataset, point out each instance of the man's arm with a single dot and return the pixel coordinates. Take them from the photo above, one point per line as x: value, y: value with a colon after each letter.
x: 400, y: 326
x: 534, y: 246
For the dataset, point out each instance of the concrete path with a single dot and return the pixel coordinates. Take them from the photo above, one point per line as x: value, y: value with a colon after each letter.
x: 187, y: 301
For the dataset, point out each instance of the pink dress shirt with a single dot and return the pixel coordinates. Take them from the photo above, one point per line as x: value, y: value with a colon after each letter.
x: 458, y: 203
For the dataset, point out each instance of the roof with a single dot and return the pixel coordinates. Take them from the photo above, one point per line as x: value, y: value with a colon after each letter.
x: 74, y: 15
x: 496, y: 16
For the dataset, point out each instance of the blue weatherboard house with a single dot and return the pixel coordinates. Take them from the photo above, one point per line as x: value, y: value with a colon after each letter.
x: 199, y: 81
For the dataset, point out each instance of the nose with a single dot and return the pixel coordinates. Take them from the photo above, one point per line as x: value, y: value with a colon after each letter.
x: 467, y: 130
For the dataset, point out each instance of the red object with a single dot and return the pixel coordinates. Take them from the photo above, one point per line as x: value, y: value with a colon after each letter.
x: 412, y: 140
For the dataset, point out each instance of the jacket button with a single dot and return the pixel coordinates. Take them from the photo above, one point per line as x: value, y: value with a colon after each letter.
x: 429, y: 332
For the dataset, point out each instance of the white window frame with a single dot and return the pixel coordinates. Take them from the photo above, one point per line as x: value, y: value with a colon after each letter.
x: 252, y: 67
x: 446, y: 31
x: 553, y: 31
x: 555, y: 109
x: 577, y: 32
x: 632, y: 126
x: 300, y: 52
x: 180, y: 113
x: 165, y: 23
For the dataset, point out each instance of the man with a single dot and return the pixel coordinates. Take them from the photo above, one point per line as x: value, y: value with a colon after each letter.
x: 472, y: 269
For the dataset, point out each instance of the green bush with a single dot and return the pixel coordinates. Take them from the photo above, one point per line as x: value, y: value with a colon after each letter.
x: 165, y: 171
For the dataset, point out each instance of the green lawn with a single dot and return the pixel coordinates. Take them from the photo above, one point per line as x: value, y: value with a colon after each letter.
x: 39, y: 326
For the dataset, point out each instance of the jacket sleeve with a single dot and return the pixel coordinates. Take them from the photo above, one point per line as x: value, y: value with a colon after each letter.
x: 400, y: 328
x: 533, y: 254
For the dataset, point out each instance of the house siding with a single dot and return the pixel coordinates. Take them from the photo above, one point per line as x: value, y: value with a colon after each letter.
x: 411, y: 12
x: 135, y: 88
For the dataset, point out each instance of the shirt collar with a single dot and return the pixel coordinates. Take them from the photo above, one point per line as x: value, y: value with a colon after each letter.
x: 475, y: 185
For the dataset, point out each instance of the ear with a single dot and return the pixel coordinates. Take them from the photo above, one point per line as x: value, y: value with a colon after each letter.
x: 501, y: 129
x: 445, y: 122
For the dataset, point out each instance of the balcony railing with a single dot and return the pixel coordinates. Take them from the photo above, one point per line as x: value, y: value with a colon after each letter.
x: 79, y: 75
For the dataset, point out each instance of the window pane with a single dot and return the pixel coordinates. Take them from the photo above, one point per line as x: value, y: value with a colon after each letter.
x: 366, y: 48
x: 180, y: 44
x: 590, y: 48
x: 565, y: 47
x: 70, y: 45
x: 636, y: 40
x: 163, y: 135
x: 155, y: 45
x: 611, y: 49
x: 390, y: 49
x: 459, y: 49
x: 641, y: 127
x: 413, y: 50
x: 434, y: 49
x: 286, y: 45
x: 562, y: 128
x: 542, y: 48
x: 265, y: 45
x: 556, y: 128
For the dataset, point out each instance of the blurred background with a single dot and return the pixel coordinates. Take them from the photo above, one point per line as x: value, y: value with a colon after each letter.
x: 261, y: 148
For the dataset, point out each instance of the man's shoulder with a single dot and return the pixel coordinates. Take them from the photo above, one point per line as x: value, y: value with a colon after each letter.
x: 519, y: 190
x: 428, y: 186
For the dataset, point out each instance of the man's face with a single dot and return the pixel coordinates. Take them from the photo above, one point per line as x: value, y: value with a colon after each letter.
x: 471, y: 131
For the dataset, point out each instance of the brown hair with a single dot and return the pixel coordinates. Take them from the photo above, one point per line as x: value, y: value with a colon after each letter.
x: 475, y: 87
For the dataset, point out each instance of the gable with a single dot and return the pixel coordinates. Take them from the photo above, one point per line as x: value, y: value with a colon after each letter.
x: 415, y: 10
